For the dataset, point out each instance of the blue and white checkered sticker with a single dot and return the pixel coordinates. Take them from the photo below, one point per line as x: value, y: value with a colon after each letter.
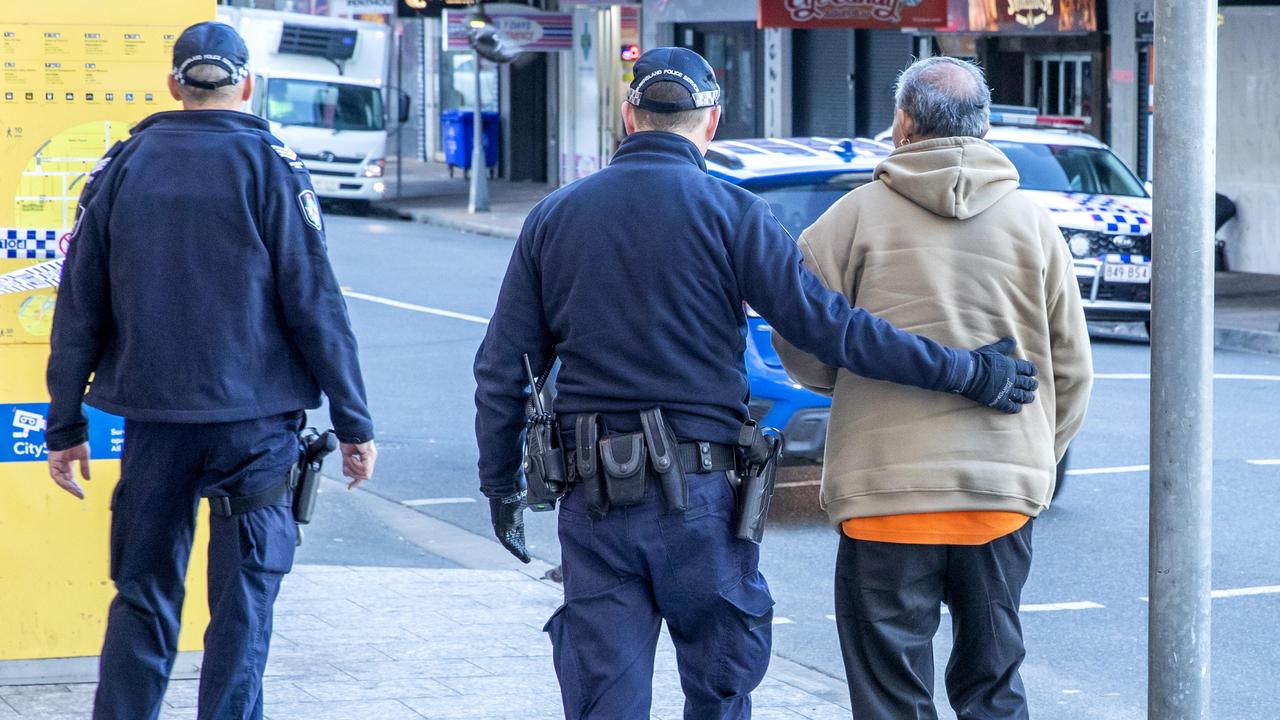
x: 1117, y: 223
x: 18, y: 244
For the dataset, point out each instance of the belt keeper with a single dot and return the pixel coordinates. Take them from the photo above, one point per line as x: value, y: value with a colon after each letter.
x: 704, y: 455
x: 220, y: 506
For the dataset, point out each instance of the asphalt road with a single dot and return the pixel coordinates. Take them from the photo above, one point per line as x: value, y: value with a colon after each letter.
x: 419, y: 296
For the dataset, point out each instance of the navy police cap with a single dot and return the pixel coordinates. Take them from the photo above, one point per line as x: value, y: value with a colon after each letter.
x: 210, y: 43
x: 674, y: 64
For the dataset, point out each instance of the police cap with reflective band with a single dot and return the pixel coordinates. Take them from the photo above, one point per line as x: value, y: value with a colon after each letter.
x: 674, y: 64
x: 210, y: 43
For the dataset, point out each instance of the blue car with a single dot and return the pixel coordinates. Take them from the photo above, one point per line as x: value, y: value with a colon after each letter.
x: 801, y: 178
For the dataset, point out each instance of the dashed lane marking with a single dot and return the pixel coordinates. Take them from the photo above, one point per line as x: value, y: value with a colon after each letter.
x: 783, y: 621
x: 437, y: 501
x: 1246, y: 591
x: 1264, y: 461
x: 1039, y: 607
x: 799, y: 483
x: 1216, y: 376
x: 1110, y: 470
x: 415, y: 308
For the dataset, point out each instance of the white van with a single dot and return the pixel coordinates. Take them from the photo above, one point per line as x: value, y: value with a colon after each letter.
x: 320, y: 82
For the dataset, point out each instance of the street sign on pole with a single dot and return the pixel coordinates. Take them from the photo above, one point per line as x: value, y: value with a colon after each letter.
x: 1182, y: 360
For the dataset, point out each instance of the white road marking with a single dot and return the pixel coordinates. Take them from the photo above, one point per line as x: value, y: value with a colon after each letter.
x: 1246, y: 591
x: 1266, y: 461
x: 1216, y: 376
x: 415, y: 308
x: 799, y: 483
x: 1110, y: 470
x: 437, y: 501
x: 783, y: 621
x: 1054, y: 607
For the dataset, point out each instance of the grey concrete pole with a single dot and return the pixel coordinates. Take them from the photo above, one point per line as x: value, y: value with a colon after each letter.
x: 1182, y: 359
x: 479, y: 172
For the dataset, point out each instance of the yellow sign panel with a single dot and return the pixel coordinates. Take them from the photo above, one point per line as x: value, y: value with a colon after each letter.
x: 74, y: 78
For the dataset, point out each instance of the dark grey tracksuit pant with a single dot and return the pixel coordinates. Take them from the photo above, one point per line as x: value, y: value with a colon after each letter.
x: 888, y: 606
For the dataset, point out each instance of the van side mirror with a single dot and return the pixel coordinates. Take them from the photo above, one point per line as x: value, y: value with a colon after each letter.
x: 405, y: 102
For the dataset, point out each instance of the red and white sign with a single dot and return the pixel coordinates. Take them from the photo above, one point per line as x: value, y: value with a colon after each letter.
x: 524, y: 27
x: 851, y: 13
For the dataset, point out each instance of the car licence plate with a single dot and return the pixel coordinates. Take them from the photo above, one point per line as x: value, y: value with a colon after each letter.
x: 1127, y: 273
x: 324, y: 186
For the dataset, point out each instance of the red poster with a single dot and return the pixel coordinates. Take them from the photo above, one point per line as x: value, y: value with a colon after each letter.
x: 888, y: 14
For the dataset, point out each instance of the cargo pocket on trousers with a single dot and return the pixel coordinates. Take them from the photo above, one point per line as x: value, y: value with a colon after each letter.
x: 565, y: 658
x: 750, y: 596
x: 268, y: 539
x: 746, y: 636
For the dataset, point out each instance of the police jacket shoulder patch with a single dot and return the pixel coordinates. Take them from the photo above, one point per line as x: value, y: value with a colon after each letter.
x: 310, y: 206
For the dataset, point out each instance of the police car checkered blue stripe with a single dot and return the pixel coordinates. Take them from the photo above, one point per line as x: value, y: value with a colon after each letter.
x: 17, y: 244
x: 1122, y: 223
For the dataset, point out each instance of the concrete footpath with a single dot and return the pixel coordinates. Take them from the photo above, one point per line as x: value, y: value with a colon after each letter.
x: 434, y: 640
x: 1247, y: 305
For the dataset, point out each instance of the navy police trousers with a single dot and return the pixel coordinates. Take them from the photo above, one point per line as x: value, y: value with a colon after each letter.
x: 626, y: 573
x: 167, y: 468
x: 888, y: 606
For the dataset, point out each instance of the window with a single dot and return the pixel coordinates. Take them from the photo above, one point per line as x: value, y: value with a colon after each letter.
x: 1060, y: 85
x: 1070, y: 168
x: 458, y: 82
x: 319, y: 104
x: 798, y: 203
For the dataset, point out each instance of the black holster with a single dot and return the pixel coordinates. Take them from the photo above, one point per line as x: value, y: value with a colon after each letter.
x: 544, y: 469
x: 760, y: 450
x: 587, y: 464
x: 665, y: 456
x: 305, y: 476
x: 622, y: 462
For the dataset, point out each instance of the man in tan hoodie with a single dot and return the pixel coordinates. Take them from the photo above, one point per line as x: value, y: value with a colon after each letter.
x: 934, y: 498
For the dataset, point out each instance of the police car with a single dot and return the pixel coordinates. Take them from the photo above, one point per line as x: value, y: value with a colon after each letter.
x: 1102, y: 208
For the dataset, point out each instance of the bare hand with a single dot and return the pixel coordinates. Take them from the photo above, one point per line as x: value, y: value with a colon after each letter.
x: 62, y: 472
x: 358, y: 461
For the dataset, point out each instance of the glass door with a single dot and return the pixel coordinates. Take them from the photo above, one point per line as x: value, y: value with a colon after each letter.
x: 1061, y: 84
x: 733, y: 49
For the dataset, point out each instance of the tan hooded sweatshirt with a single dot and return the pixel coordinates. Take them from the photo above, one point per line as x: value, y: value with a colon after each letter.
x: 941, y: 245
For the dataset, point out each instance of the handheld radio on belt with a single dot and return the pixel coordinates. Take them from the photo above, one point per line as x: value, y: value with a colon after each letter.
x: 544, y: 469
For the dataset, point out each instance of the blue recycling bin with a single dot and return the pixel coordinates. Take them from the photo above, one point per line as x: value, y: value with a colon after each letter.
x: 456, y: 128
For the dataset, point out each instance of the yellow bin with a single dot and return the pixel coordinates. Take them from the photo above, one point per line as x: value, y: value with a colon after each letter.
x: 75, y: 77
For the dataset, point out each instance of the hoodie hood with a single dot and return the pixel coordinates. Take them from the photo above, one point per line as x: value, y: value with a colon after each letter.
x: 953, y: 177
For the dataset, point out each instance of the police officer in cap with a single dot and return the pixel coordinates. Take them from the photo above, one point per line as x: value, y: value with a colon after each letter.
x: 198, y: 295
x: 635, y: 278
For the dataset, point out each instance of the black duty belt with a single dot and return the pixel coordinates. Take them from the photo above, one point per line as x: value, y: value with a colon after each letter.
x: 695, y: 458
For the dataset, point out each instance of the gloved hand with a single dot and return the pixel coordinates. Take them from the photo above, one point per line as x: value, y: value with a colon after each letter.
x: 998, y: 380
x: 508, y: 523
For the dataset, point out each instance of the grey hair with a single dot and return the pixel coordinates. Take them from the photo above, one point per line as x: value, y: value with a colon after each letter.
x: 202, y: 96
x: 945, y: 97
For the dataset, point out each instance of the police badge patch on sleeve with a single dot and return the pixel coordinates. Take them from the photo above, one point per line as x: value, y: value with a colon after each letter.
x: 310, y: 208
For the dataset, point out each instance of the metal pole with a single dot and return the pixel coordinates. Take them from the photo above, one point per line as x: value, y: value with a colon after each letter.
x: 1182, y: 359
x: 399, y: 44
x: 479, y: 172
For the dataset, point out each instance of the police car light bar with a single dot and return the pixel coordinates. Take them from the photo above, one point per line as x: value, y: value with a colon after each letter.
x: 1038, y: 121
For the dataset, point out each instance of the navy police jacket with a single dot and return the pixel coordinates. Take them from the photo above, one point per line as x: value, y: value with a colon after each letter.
x: 635, y: 277
x: 197, y: 286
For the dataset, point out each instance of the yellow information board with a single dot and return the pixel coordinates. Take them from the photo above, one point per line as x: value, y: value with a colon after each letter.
x: 74, y: 78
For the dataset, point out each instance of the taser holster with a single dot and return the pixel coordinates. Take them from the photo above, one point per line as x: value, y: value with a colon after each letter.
x: 665, y: 456
x: 587, y: 464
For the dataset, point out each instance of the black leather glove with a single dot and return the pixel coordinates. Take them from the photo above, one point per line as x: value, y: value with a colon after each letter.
x: 508, y: 523
x: 998, y: 380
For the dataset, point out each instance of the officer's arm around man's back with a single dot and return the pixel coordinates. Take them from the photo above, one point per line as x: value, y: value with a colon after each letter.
x: 774, y: 281
x: 313, y: 305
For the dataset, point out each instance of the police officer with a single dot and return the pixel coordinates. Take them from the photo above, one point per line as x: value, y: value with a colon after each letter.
x: 198, y: 295
x: 635, y: 278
